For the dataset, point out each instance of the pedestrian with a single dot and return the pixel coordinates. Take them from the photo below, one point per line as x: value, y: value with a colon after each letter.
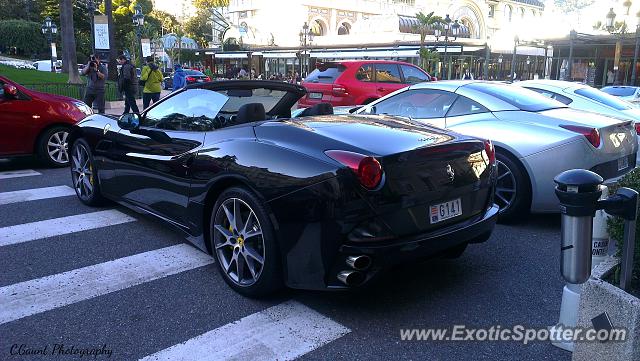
x: 152, y: 77
x: 468, y: 75
x: 179, y: 78
x: 610, y: 77
x: 128, y: 84
x: 96, y: 74
x: 242, y: 73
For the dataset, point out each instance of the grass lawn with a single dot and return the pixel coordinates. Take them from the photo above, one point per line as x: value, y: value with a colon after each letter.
x: 28, y: 76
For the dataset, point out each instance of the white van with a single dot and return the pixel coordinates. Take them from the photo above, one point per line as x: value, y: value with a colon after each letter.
x: 45, y: 65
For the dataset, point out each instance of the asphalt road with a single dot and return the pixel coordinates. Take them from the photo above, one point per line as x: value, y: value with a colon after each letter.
x: 136, y: 288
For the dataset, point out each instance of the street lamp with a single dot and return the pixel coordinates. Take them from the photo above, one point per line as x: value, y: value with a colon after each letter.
x: 448, y: 27
x: 610, y: 25
x: 138, y: 22
x: 516, y: 40
x: 50, y: 29
x: 500, y: 59
x: 306, y: 37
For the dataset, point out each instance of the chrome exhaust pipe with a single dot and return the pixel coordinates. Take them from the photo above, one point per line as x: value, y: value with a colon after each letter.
x: 351, y: 278
x: 359, y: 263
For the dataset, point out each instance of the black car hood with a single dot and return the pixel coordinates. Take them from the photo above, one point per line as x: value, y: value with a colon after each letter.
x: 376, y: 135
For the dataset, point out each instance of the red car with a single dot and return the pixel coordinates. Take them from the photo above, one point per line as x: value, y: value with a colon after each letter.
x: 37, y: 123
x: 355, y: 82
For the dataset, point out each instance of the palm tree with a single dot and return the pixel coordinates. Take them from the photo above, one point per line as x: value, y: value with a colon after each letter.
x: 69, y: 42
x: 424, y: 25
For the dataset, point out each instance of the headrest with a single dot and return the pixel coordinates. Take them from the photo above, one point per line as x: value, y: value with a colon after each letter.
x: 251, y: 112
x: 318, y: 109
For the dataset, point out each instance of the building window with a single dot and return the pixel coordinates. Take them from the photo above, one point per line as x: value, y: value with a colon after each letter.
x: 522, y: 13
x: 318, y: 28
x: 344, y: 29
x: 508, y: 12
x: 492, y: 11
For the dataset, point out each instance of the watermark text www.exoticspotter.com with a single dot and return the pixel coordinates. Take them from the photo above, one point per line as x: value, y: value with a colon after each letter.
x: 517, y: 333
x: 59, y: 349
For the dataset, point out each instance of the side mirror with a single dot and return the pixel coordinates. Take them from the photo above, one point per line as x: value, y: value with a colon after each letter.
x: 9, y: 91
x: 129, y: 121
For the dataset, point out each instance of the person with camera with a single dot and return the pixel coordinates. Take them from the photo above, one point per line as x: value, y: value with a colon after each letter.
x: 152, y: 78
x: 96, y: 74
x: 128, y: 84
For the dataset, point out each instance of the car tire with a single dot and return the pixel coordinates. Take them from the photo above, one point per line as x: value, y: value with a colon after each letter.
x: 455, y: 251
x: 246, y: 252
x: 513, y: 192
x: 84, y: 174
x: 53, y: 149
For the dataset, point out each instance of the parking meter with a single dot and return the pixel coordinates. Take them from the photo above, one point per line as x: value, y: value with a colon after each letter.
x: 578, y: 191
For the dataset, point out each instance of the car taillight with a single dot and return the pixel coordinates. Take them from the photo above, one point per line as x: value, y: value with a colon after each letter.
x: 338, y: 91
x: 366, y: 168
x: 491, y: 151
x: 207, y: 79
x: 592, y: 134
x: 190, y: 78
x: 637, y: 125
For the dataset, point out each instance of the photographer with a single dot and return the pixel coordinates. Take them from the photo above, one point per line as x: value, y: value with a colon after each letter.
x: 96, y: 74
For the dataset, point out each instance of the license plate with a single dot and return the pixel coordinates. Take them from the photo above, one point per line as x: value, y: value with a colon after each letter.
x: 200, y: 80
x: 623, y: 163
x: 315, y: 95
x: 446, y: 210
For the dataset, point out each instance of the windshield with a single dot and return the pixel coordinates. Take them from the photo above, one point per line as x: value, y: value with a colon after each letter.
x: 521, y: 98
x: 193, y: 72
x: 239, y: 97
x: 619, y: 91
x: 603, y: 98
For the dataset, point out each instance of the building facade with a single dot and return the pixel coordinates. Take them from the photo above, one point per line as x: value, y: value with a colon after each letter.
x: 381, y: 29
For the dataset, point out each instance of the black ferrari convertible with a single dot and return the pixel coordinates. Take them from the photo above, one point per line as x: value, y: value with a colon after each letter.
x: 321, y: 201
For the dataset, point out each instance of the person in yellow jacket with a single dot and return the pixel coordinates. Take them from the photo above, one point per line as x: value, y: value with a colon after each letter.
x: 152, y: 78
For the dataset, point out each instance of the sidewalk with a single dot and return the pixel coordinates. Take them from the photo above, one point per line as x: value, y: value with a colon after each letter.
x: 117, y: 107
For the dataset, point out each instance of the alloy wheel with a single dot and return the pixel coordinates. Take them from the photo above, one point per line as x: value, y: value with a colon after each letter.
x: 57, y: 147
x: 505, y: 187
x: 82, y: 172
x: 238, y: 241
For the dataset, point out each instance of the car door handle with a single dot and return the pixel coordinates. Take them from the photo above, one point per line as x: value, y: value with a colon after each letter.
x: 381, y: 89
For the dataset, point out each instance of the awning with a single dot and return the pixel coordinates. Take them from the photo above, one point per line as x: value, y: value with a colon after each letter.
x: 231, y: 55
x: 365, y: 53
x: 279, y: 55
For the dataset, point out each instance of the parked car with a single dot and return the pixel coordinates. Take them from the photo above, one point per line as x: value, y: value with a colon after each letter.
x: 536, y: 138
x: 323, y: 202
x: 37, y: 123
x: 626, y: 92
x: 583, y: 97
x: 193, y: 76
x: 45, y: 65
x: 352, y: 82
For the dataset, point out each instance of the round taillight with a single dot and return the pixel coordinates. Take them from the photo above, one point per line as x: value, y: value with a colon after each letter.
x: 366, y: 168
x: 369, y: 172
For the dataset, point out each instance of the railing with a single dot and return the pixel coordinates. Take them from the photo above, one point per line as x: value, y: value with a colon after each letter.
x: 75, y: 91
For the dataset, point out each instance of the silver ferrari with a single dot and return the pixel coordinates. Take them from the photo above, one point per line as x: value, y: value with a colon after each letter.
x: 536, y: 137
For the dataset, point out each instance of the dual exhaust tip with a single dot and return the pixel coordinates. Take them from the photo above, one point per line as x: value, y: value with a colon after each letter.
x: 355, y: 277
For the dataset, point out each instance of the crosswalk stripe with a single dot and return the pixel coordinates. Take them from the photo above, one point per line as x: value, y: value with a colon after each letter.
x: 58, y: 226
x: 18, y: 173
x: 283, y: 332
x: 43, y: 294
x: 26, y: 195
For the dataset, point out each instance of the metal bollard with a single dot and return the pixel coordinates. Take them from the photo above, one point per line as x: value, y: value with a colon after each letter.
x: 578, y: 191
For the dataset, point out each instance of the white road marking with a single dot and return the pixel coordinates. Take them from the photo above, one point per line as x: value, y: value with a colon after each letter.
x: 35, y: 194
x: 18, y: 173
x: 58, y: 226
x: 283, y: 332
x: 43, y: 294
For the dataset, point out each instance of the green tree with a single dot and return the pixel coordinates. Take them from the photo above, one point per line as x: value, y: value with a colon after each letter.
x: 198, y: 28
x: 208, y: 4
x: 23, y: 37
x: 21, y: 10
